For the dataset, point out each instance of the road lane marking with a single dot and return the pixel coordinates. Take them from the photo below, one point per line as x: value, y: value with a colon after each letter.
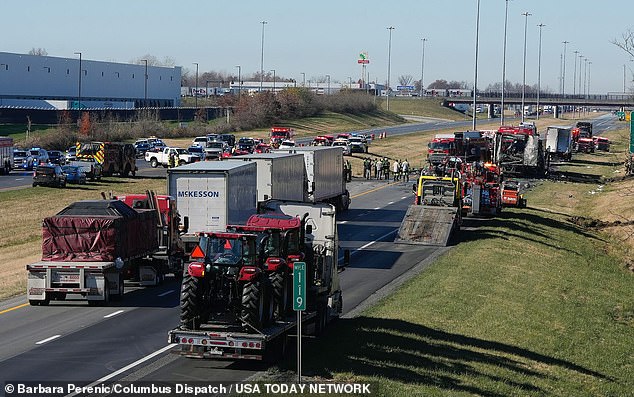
x: 19, y: 179
x: 343, y: 222
x: 368, y: 244
x: 127, y: 367
x: 373, y: 190
x: 113, y: 314
x: 390, y: 203
x: 403, y: 198
x: 377, y: 208
x: 14, y: 308
x: 43, y: 341
x: 166, y: 293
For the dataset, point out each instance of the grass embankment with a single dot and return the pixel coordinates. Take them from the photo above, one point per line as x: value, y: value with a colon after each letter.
x: 426, y: 107
x: 529, y: 303
x: 22, y: 212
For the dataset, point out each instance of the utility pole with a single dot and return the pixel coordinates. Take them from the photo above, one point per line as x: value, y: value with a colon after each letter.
x: 563, y: 75
x: 506, y: 17
x: 539, y: 67
x: 389, y: 59
x: 526, y: 15
x: 422, y: 69
x: 475, y: 72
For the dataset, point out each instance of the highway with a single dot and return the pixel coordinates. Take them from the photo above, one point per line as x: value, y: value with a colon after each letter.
x: 73, y: 342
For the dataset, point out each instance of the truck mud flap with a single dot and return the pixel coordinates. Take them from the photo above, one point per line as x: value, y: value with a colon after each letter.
x: 426, y: 225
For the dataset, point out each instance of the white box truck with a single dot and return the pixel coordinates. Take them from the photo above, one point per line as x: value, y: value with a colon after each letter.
x: 211, y: 195
x: 559, y: 142
x: 324, y: 173
x: 281, y: 176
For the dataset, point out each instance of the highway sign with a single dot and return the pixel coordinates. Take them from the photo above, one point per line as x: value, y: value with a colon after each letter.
x: 299, y: 286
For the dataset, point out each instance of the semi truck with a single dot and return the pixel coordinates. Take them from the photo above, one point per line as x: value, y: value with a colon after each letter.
x: 559, y: 142
x: 99, y: 159
x: 87, y: 249
x: 324, y: 175
x: 280, y: 176
x: 519, y: 151
x: 211, y: 195
x: 6, y: 155
x: 216, y: 324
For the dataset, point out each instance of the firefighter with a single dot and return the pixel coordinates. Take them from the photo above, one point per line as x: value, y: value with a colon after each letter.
x: 385, y: 164
x: 171, y: 160
x: 347, y: 171
x: 405, y: 170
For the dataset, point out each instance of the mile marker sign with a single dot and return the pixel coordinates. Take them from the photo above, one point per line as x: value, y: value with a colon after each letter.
x: 299, y: 286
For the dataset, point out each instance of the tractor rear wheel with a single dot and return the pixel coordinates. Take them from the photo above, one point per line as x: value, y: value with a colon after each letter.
x: 253, y: 304
x: 190, y: 302
x: 280, y: 291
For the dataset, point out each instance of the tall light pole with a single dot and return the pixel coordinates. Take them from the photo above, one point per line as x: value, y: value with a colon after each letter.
x: 273, y: 70
x: 389, y: 60
x: 145, y: 84
x: 589, y: 64
x: 539, y: 67
x: 585, y: 78
x: 506, y: 17
x: 262, y: 57
x: 574, y: 76
x: 303, y: 79
x: 79, y: 89
x: 422, y: 68
x: 526, y: 15
x: 580, y: 74
x: 475, y: 72
x: 624, y: 78
x: 563, y: 75
x: 239, y: 81
x: 196, y: 92
x: 328, y: 77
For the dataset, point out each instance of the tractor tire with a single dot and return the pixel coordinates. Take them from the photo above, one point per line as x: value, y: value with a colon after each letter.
x: 190, y: 302
x: 280, y: 291
x: 253, y: 304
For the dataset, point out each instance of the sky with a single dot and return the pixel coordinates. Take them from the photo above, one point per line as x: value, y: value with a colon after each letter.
x: 325, y: 37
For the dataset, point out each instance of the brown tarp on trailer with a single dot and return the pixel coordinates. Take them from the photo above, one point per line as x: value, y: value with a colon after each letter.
x: 74, y: 235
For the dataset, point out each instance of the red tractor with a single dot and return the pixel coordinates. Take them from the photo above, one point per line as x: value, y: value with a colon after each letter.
x: 225, y: 283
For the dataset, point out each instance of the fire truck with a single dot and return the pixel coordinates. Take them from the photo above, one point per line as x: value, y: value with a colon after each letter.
x: 481, y: 189
x: 279, y: 134
x: 443, y: 146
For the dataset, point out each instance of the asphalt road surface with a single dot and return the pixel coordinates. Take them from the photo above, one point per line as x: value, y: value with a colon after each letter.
x: 70, y: 341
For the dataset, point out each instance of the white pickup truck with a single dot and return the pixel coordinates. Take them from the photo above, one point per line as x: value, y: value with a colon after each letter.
x: 162, y: 157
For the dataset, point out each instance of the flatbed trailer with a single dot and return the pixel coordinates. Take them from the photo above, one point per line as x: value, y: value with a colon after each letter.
x: 226, y: 341
x: 97, y: 282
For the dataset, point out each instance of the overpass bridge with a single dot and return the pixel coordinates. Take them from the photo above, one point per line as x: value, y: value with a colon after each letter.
x: 515, y: 98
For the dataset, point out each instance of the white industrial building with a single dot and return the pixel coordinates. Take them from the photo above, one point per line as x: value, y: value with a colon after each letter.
x: 47, y: 82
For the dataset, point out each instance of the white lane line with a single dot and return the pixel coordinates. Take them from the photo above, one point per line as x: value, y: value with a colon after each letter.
x: 369, y: 244
x: 113, y: 314
x: 166, y: 293
x: 377, y: 208
x: 43, y: 341
x: 343, y: 222
x: 127, y: 367
x: 19, y: 179
x: 390, y: 203
x: 403, y: 198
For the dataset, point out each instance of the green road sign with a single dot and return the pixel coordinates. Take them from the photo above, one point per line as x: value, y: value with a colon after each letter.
x: 299, y: 286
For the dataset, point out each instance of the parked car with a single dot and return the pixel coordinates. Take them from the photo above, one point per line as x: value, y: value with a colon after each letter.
x: 200, y: 141
x: 74, y: 174
x: 141, y: 148
x: 71, y: 154
x: 286, y: 144
x: 22, y: 160
x: 344, y: 144
x: 197, y: 151
x: 358, y: 144
x: 246, y: 145
x: 49, y: 175
x: 40, y: 156
x: 56, y: 157
x: 601, y: 143
x: 262, y: 148
x: 229, y: 138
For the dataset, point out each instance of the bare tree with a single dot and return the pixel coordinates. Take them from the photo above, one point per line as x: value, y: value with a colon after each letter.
x: 626, y: 43
x: 405, y: 79
x: 38, y: 51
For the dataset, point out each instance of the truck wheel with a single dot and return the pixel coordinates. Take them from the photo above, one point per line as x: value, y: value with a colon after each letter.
x: 280, y: 294
x: 182, y: 162
x: 154, y: 162
x: 190, y: 308
x: 253, y: 304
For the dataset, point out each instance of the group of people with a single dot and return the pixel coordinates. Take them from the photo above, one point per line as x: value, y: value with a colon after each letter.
x: 173, y: 160
x: 381, y: 169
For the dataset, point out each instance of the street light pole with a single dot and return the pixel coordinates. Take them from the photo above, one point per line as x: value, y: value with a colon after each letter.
x: 262, y: 57
x: 526, y: 14
x: 422, y: 68
x: 563, y: 75
x: 196, y: 92
x: 539, y: 67
x: 580, y: 74
x: 506, y: 18
x: 79, y: 90
x: 389, y: 60
x: 328, y: 77
x: 303, y: 79
x: 589, y: 64
x: 239, y: 81
x: 145, y: 84
x: 273, y: 70
x: 475, y: 73
x: 574, y: 76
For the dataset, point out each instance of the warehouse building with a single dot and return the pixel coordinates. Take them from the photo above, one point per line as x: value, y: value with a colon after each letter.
x: 46, y: 82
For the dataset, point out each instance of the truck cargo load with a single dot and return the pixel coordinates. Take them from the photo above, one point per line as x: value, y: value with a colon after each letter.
x: 98, y: 231
x: 324, y: 173
x: 281, y: 176
x: 559, y: 142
